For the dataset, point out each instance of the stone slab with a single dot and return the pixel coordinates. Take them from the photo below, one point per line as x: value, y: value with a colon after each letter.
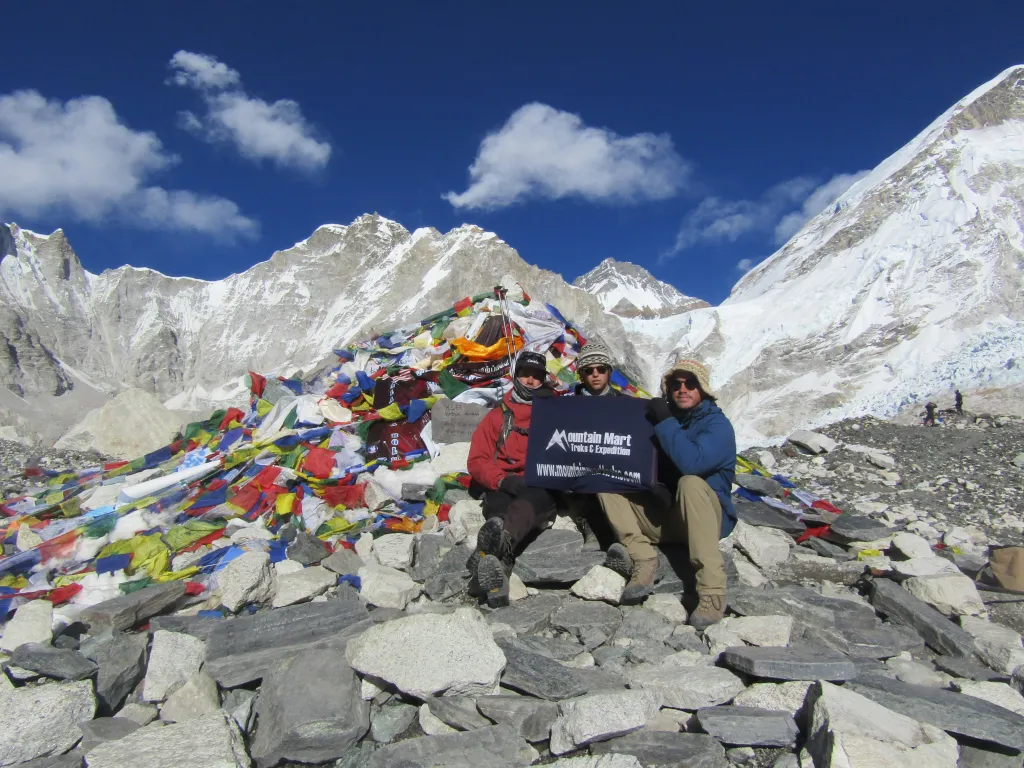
x: 539, y: 676
x: 209, y: 742
x: 126, y: 611
x: 453, y: 422
x: 938, y: 632
x: 59, y: 663
x: 658, y: 749
x: 122, y: 665
x: 556, y: 557
x: 792, y: 663
x: 748, y: 726
x: 495, y: 747
x: 531, y: 718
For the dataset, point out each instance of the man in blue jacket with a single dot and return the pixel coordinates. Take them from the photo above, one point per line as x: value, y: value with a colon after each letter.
x: 691, y: 504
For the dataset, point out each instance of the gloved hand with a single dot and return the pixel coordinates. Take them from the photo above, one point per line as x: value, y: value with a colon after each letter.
x: 657, y: 410
x: 663, y: 495
x: 513, y: 485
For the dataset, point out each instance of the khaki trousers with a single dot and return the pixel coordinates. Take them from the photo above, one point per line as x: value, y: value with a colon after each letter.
x: 694, y: 519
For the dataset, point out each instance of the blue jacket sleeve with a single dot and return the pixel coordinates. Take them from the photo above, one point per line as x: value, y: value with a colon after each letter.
x: 698, y: 452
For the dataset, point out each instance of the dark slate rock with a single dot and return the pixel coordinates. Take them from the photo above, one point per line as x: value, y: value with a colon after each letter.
x: 1009, y: 614
x: 614, y: 655
x: 459, y: 712
x: 309, y: 710
x: 240, y: 650
x: 968, y: 669
x: 529, y: 615
x: 343, y: 561
x: 287, y: 532
x: 938, y: 632
x: 828, y: 549
x: 660, y: 749
x: 803, y: 605
x: 95, y: 732
x: 553, y: 648
x: 974, y: 757
x: 539, y: 676
x: 455, y: 495
x: 909, y: 638
x: 763, y: 516
x: 451, y: 575
x: 601, y: 680
x: 495, y: 747
x: 639, y: 623
x: 307, y: 549
x: 647, y: 652
x: 430, y: 548
x: 73, y: 759
x: 792, y: 663
x: 391, y: 720
x: 122, y: 665
x: 953, y: 712
x: 765, y: 486
x: 530, y: 718
x: 197, y: 626
x: 850, y: 527
x: 556, y: 557
x: 874, y: 643
x: 748, y: 726
x: 592, y: 622
x: 53, y: 662
x: 126, y: 611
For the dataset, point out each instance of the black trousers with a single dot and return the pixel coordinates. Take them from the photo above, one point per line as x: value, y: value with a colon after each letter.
x: 530, y: 511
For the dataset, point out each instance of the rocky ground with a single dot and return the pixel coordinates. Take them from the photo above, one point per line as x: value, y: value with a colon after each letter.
x: 869, y: 646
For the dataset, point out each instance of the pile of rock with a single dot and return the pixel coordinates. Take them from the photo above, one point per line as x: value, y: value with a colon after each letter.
x: 868, y: 644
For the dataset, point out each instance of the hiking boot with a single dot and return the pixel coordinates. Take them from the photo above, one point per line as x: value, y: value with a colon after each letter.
x: 590, y: 541
x: 491, y: 539
x: 641, y: 581
x: 617, y: 559
x: 493, y: 581
x: 710, y: 610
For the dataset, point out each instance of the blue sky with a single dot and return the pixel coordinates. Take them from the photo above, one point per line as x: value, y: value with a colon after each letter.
x: 197, y: 138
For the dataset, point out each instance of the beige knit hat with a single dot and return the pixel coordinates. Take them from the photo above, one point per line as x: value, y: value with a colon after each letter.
x: 594, y: 353
x: 697, y: 368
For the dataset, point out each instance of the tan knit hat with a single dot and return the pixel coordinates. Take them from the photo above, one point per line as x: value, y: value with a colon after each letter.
x: 594, y: 353
x: 697, y: 368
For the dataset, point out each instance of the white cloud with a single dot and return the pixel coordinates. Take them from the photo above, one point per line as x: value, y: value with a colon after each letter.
x: 816, y: 202
x: 259, y: 130
x: 542, y: 152
x: 744, y: 265
x: 77, y: 158
x: 716, y: 219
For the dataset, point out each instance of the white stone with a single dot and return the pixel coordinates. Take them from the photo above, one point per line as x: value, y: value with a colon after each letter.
x: 847, y: 729
x: 564, y: 523
x: 143, y: 714
x: 196, y: 698
x: 911, y: 545
x: 813, y: 441
x: 364, y: 546
x: 600, y: 583
x: 914, y: 672
x: 465, y: 518
x: 284, y: 567
x: 924, y: 566
x: 394, y: 550
x: 213, y: 741
x: 452, y: 458
x: 431, y: 725
x: 387, y: 587
x: 687, y: 659
x: 27, y: 538
x: 687, y: 687
x: 43, y: 720
x: 584, y: 661
x: 302, y: 585
x: 516, y: 588
x: 462, y: 659
x: 756, y: 630
x: 951, y: 594
x: 599, y: 761
x: 766, y: 459
x: 667, y: 606
x: 31, y: 623
x: 766, y: 547
x: 132, y: 424
x: 173, y: 658
x: 749, y: 573
x: 787, y: 697
x: 246, y: 579
x: 598, y: 717
x: 1000, y: 694
x: 999, y: 646
x: 368, y: 690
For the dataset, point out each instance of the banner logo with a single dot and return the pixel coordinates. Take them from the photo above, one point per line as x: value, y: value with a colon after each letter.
x: 557, y: 438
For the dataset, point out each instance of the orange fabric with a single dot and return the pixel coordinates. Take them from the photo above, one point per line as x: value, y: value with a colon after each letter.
x: 478, y: 352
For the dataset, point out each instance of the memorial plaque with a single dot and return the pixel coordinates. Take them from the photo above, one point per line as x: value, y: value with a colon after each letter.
x: 455, y: 422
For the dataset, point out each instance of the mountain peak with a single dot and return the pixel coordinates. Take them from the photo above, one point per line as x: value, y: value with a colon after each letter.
x: 629, y: 290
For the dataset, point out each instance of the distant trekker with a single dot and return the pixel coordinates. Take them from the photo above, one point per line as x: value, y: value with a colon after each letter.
x: 929, y: 414
x: 594, y: 369
x: 692, y: 503
x: 959, y: 402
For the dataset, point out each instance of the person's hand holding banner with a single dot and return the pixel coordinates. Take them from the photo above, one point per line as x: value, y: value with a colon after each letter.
x: 657, y: 410
x: 513, y: 485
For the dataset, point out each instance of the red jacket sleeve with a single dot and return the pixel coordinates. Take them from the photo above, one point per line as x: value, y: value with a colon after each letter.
x: 481, y: 464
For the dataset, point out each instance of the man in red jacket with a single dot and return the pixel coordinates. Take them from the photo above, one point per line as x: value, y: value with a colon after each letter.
x: 497, y: 460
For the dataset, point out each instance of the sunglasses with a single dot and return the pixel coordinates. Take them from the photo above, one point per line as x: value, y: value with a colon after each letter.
x: 688, y: 381
x: 592, y: 369
x: 531, y: 373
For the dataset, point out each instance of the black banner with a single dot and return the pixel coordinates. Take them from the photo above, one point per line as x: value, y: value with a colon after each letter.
x: 590, y: 445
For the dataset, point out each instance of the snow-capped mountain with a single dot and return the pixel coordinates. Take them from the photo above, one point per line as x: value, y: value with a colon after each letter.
x: 189, y: 341
x: 628, y: 290
x: 910, y: 284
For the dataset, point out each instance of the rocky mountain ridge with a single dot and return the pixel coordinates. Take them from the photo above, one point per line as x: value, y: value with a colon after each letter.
x: 629, y: 290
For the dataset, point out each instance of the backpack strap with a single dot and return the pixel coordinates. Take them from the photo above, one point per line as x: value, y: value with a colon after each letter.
x: 508, y: 426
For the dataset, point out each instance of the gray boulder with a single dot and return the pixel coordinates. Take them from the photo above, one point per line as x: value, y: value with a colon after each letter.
x: 209, y: 742
x: 43, y: 720
x: 127, y: 611
x: 122, y: 664
x: 495, y: 747
x: 59, y: 663
x: 662, y: 749
x: 309, y: 710
x: 530, y: 718
x: 748, y: 726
